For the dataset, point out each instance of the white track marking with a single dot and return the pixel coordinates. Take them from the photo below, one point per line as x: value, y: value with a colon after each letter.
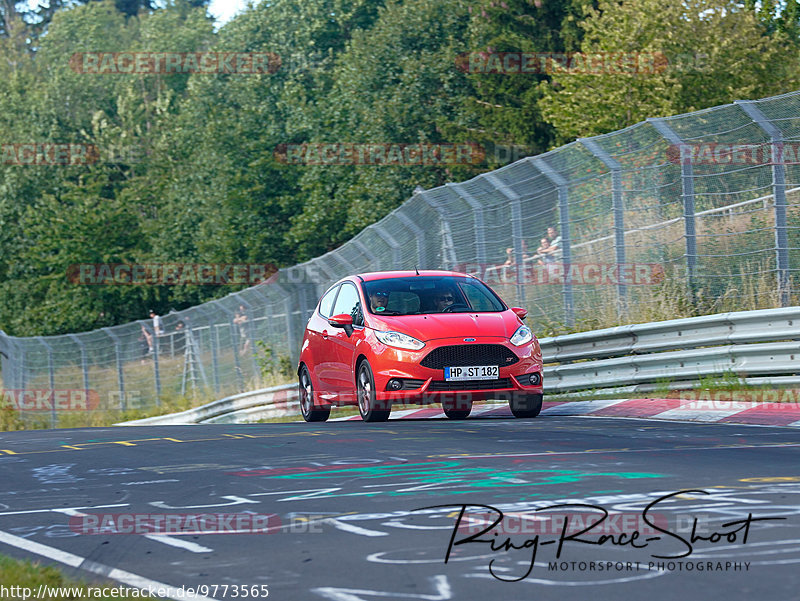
x: 234, y: 500
x: 160, y: 538
x: 440, y: 583
x: 176, y: 542
x: 60, y: 509
x: 353, y: 529
x: 76, y: 561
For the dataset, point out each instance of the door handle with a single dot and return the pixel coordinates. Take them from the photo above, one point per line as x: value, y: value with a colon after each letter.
x: 325, y: 334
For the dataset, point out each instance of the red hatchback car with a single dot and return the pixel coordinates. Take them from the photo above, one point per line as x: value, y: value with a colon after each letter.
x: 379, y: 339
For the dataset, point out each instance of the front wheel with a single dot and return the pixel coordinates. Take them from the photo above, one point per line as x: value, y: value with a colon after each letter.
x: 457, y: 409
x: 368, y: 406
x: 525, y: 405
x: 307, y: 409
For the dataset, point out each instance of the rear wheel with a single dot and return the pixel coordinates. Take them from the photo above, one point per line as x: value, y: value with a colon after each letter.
x: 307, y: 409
x: 457, y: 409
x: 370, y: 409
x: 525, y: 405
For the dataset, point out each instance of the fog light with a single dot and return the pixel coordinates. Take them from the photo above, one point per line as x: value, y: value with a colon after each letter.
x: 535, y: 379
x: 394, y: 384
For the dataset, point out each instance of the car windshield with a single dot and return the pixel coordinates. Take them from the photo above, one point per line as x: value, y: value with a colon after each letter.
x: 416, y: 295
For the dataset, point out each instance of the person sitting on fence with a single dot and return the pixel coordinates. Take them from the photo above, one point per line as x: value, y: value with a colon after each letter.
x: 554, y: 249
x: 156, y: 323
x: 544, y: 252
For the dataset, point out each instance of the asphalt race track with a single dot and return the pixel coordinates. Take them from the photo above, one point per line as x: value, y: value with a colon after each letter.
x: 341, y: 505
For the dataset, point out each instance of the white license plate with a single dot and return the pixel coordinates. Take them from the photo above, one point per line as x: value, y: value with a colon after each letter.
x: 476, y: 372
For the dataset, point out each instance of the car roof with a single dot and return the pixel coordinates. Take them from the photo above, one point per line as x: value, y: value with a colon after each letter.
x: 383, y: 275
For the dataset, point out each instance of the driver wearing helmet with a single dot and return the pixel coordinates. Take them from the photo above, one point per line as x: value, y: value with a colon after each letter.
x: 378, y: 301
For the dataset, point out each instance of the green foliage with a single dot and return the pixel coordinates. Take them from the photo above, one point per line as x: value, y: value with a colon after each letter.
x: 704, y: 53
x: 188, y: 169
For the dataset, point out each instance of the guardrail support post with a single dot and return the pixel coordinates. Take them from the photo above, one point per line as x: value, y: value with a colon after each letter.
x: 687, y: 195
x: 618, y: 207
x: 566, y: 237
x: 779, y: 190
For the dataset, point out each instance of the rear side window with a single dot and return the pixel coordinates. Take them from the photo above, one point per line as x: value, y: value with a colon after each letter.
x: 327, y: 302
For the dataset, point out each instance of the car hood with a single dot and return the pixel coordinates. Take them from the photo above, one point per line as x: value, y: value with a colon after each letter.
x: 449, y: 325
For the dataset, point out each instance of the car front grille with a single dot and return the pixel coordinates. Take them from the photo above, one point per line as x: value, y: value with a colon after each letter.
x: 438, y: 385
x: 466, y: 355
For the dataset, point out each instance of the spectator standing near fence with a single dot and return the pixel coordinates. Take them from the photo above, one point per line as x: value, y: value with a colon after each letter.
x: 240, y: 319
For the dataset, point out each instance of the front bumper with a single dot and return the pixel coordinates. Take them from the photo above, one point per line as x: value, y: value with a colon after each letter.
x: 391, y: 363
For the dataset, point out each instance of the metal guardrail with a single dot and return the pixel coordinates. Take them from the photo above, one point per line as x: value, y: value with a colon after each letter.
x: 760, y: 347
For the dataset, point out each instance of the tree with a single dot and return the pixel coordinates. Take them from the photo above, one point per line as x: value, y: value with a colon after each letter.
x: 694, y: 54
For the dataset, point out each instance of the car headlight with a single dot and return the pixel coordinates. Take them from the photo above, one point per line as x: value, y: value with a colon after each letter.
x: 398, y: 340
x: 523, y: 335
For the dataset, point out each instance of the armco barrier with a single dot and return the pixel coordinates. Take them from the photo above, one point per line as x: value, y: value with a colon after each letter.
x: 759, y: 347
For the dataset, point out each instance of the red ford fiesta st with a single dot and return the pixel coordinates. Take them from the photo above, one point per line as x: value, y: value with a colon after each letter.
x: 379, y: 339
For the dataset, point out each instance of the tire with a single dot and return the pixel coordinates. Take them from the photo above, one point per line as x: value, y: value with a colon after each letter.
x: 307, y: 409
x: 368, y: 406
x: 525, y: 405
x: 457, y: 409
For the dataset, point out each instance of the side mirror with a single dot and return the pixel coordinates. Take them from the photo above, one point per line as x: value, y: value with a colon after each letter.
x: 520, y: 312
x: 343, y: 320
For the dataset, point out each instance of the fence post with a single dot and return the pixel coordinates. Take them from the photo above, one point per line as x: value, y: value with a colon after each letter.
x: 564, y: 228
x: 291, y: 325
x: 516, y: 230
x: 235, y: 343
x: 214, y: 340
x: 371, y: 259
x: 251, y: 332
x: 449, y: 258
x: 84, y: 362
x: 120, y: 376
x: 51, y: 371
x: 418, y: 232
x: 7, y: 361
x: 478, y: 220
x: 390, y: 240
x: 619, y: 215
x: 156, y: 368
x: 687, y: 190
x: 779, y: 190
